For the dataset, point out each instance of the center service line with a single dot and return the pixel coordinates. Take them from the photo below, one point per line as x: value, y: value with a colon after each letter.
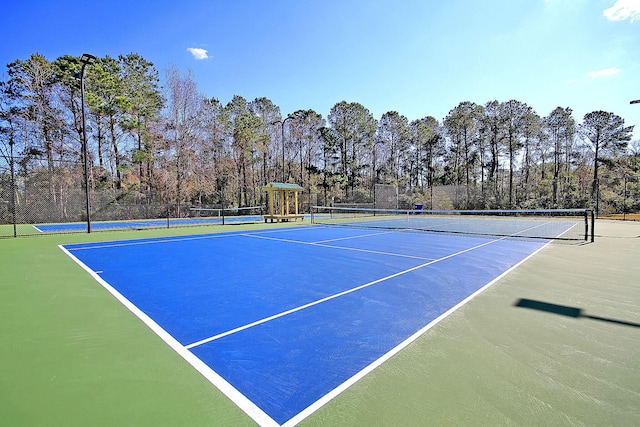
x: 330, y: 297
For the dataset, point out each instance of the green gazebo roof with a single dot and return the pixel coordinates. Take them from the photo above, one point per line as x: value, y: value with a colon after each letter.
x: 282, y: 186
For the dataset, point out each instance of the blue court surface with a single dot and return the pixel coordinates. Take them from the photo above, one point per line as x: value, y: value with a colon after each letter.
x: 282, y: 320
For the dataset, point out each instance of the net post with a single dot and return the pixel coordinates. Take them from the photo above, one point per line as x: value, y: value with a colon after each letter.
x: 312, y: 215
x: 593, y: 226
x: 586, y: 225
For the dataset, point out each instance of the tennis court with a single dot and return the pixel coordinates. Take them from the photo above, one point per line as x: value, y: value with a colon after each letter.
x: 138, y: 224
x: 283, y: 320
x: 553, y: 342
x: 198, y: 216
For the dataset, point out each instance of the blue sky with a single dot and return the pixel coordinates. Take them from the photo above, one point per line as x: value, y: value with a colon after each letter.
x: 417, y: 57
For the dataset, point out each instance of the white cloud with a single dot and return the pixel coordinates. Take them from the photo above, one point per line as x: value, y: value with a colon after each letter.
x: 603, y: 73
x: 198, y: 53
x: 624, y: 9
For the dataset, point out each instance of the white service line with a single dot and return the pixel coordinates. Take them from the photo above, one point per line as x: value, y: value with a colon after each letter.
x: 369, y: 251
x: 357, y: 237
x: 330, y: 297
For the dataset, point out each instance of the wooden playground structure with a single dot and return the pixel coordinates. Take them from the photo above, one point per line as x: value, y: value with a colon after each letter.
x: 281, y: 207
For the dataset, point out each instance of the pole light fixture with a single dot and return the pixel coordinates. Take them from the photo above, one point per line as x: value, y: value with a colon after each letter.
x: 86, y: 59
x: 281, y: 123
x: 635, y: 101
x: 283, y: 163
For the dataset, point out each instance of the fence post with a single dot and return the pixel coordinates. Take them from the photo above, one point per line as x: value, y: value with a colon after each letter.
x: 624, y: 202
x: 13, y: 191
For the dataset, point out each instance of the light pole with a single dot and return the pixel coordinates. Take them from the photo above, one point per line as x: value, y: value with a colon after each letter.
x: 85, y: 59
x: 282, y: 122
x: 635, y: 101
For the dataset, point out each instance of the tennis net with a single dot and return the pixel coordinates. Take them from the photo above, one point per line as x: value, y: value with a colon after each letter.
x: 560, y: 224
x: 244, y: 214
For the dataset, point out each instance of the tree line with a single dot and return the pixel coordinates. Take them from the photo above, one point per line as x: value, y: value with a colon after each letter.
x: 153, y: 144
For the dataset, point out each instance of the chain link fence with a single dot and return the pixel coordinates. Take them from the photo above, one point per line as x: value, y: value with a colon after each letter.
x: 611, y: 197
x: 34, y: 195
x: 36, y: 199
